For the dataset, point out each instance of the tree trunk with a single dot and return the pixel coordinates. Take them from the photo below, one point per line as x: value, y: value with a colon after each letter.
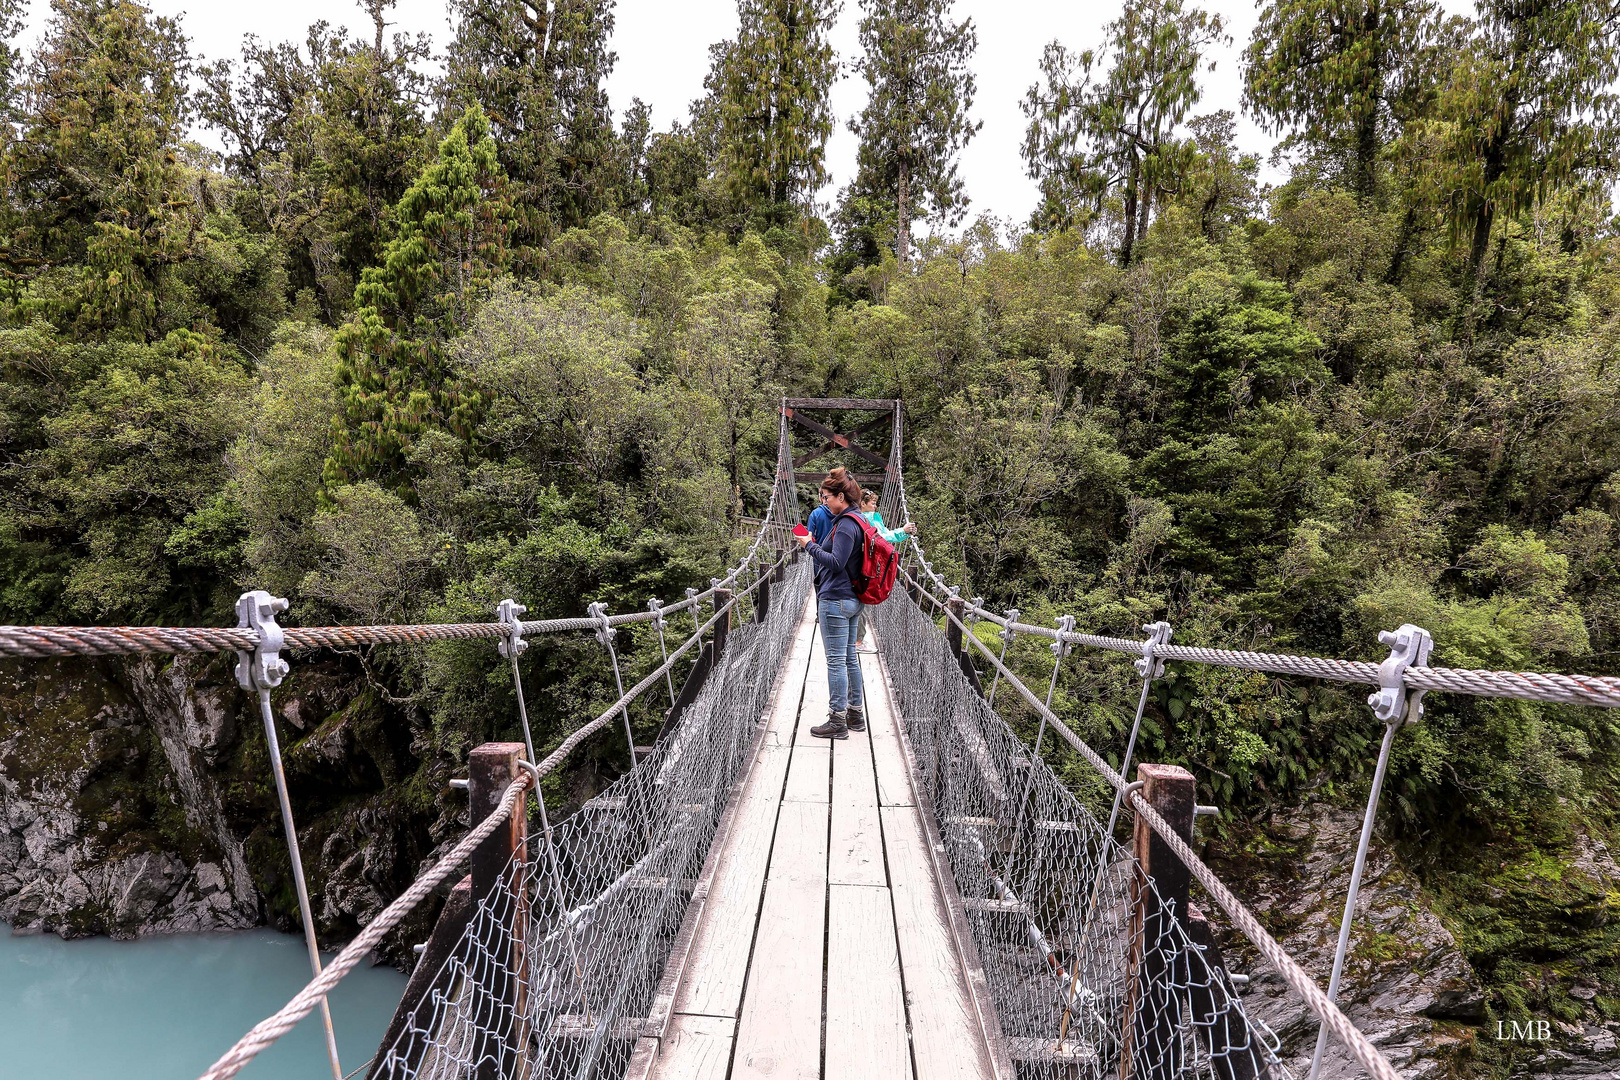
x: 1367, y: 122
x: 902, y: 239
x: 1128, y: 241
x: 1144, y: 214
x: 1403, y: 240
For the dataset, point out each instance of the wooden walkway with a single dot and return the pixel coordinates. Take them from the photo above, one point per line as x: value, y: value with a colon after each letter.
x: 819, y: 945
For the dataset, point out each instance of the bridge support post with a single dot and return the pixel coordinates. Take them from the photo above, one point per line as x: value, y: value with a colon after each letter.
x: 496, y: 962
x: 722, y: 597
x: 1150, y: 1046
x: 953, y: 634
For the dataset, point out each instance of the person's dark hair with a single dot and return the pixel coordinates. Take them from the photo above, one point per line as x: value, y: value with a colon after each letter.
x: 839, y: 482
x: 868, y: 495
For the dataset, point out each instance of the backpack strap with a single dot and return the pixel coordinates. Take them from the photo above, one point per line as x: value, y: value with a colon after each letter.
x: 858, y: 554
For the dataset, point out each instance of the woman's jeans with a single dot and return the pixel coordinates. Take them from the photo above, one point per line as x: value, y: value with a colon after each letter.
x: 837, y: 619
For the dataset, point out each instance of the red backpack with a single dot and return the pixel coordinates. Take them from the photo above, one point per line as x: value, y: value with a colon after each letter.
x: 873, y: 581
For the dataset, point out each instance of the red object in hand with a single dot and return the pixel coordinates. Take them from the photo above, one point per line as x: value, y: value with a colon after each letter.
x: 800, y: 530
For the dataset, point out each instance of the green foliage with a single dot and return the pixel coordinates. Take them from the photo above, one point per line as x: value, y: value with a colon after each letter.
x: 1344, y: 76
x: 771, y: 88
x: 326, y: 137
x: 113, y: 485
x: 451, y: 243
x: 538, y: 67
x: 95, y: 207
x: 1527, y: 107
x: 1086, y: 140
x: 915, y: 62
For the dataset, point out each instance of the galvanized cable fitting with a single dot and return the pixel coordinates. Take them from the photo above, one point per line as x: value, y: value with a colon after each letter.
x: 1062, y: 646
x: 606, y: 632
x: 1151, y: 666
x: 263, y: 668
x: 510, y: 614
x: 1409, y: 647
x: 1007, y: 633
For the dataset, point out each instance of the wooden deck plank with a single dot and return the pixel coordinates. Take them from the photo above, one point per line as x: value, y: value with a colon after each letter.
x: 893, y: 782
x: 946, y: 1036
x: 866, y: 1006
x: 779, y: 1033
x: 696, y: 1048
x: 808, y: 778
x: 855, y: 852
x: 814, y: 709
x: 718, y: 959
x: 713, y: 984
x: 784, y: 714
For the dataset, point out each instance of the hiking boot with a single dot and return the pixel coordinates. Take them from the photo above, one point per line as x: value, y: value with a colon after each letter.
x: 855, y: 718
x: 834, y: 728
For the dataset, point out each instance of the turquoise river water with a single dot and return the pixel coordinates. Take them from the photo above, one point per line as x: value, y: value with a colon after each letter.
x: 165, y: 1008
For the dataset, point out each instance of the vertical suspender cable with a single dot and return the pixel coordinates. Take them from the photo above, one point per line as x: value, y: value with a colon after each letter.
x: 261, y: 670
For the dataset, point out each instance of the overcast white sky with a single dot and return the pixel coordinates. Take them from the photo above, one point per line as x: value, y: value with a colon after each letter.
x: 663, y: 48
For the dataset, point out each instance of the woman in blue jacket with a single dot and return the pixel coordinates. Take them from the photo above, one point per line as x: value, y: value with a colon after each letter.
x: 837, y: 608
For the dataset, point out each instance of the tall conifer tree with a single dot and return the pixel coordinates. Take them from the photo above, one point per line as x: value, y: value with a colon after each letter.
x: 1528, y: 107
x: 328, y: 136
x: 1345, y: 75
x: 916, y: 120
x: 773, y: 86
x: 539, y: 69
x: 1090, y: 139
x: 394, y: 378
x: 94, y: 215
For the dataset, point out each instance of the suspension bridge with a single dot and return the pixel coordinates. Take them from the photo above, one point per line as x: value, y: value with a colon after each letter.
x: 926, y: 899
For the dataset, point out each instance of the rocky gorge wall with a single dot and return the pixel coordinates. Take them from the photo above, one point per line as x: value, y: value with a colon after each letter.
x: 1421, y: 981
x: 135, y: 799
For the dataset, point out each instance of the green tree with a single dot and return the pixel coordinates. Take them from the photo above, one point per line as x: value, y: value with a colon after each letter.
x: 1344, y: 75
x: 326, y: 138
x: 1087, y: 140
x: 772, y: 85
x: 538, y: 68
x: 95, y: 209
x: 11, y: 22
x: 113, y: 486
x: 394, y: 377
x: 915, y: 63
x: 1528, y: 108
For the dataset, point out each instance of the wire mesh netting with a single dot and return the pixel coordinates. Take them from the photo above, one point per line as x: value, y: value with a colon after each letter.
x: 1091, y: 971
x: 560, y: 963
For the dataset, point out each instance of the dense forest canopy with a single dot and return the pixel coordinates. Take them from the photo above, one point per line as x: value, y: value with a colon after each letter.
x: 412, y: 344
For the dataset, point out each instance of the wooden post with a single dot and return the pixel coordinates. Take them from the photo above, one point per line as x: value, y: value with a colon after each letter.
x: 1150, y: 1048
x: 498, y: 964
x: 1233, y: 1051
x: 762, y: 597
x: 953, y: 634
x: 407, y: 1036
x: 721, y: 628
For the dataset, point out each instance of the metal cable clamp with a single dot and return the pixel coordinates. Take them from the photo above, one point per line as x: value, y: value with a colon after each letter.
x: 510, y: 613
x: 606, y: 632
x: 1151, y: 666
x: 1409, y: 647
x: 263, y: 668
x: 1007, y: 633
x: 1061, y: 648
